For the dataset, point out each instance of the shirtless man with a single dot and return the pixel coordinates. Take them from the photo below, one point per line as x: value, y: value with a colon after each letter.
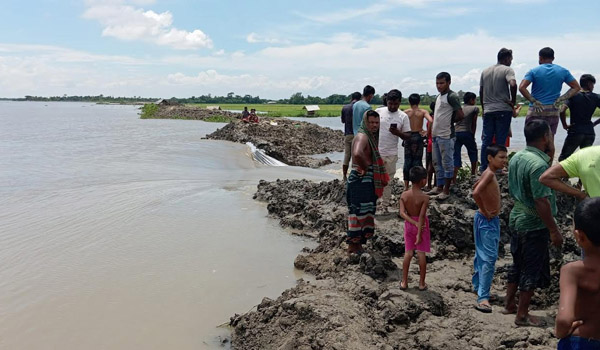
x: 365, y: 183
x: 486, y: 226
x: 413, y: 146
x: 578, y: 318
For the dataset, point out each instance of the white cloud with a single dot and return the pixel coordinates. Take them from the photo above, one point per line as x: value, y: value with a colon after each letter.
x: 254, y: 38
x: 129, y: 23
x: 341, y: 63
x: 371, y: 10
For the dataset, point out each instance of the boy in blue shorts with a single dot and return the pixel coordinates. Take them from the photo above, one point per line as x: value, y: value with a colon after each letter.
x: 486, y: 226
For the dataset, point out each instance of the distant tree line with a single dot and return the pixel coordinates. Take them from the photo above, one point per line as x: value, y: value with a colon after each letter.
x: 298, y: 99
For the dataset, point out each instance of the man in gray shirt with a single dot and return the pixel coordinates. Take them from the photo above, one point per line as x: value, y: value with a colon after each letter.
x: 497, y: 102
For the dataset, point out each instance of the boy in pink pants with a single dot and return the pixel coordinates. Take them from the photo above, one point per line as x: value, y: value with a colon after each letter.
x: 413, y: 209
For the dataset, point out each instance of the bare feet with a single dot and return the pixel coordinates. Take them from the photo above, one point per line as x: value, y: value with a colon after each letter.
x: 509, y: 310
x: 529, y: 321
x: 423, y: 287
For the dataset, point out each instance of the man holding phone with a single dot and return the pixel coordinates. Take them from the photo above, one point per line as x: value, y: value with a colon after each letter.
x: 394, y: 124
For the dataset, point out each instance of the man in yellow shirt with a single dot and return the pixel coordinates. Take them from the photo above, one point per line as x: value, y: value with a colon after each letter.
x: 584, y: 164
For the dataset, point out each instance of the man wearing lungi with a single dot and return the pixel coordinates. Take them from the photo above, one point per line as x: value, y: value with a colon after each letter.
x: 365, y: 183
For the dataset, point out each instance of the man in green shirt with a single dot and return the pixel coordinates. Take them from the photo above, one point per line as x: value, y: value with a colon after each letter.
x: 584, y: 164
x: 531, y: 221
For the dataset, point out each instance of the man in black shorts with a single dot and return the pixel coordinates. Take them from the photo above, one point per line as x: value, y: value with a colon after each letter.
x: 580, y: 131
x: 531, y: 221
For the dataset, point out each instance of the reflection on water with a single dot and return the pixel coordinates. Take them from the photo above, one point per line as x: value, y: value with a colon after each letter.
x: 123, y: 233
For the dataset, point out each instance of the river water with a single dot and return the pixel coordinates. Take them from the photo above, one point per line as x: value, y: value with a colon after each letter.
x: 121, y: 233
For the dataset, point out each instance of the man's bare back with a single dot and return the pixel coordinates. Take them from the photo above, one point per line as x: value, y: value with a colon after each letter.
x: 416, y: 117
x: 580, y: 284
x: 486, y: 193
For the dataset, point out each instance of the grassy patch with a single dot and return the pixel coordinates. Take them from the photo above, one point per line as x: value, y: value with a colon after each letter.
x: 149, y: 111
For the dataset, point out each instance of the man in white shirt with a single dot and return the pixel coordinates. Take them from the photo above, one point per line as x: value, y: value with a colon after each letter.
x: 394, y: 124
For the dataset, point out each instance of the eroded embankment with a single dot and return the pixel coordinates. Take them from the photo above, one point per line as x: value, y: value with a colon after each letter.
x: 289, y: 141
x: 356, y: 303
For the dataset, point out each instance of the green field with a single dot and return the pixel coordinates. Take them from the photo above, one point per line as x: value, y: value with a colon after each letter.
x: 286, y: 110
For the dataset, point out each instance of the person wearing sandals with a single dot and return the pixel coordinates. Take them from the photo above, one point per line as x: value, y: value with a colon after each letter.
x: 413, y: 209
x: 531, y: 222
x: 486, y: 226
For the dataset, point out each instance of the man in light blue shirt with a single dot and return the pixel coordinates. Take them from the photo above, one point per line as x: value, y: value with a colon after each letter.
x: 359, y: 108
x: 547, y: 80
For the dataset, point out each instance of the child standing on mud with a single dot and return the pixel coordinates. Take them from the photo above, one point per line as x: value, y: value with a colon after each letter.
x: 486, y: 226
x: 413, y: 146
x: 578, y: 318
x: 413, y: 209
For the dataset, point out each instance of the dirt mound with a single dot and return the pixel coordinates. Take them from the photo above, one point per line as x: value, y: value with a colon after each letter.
x: 196, y: 113
x: 356, y: 303
x: 286, y: 140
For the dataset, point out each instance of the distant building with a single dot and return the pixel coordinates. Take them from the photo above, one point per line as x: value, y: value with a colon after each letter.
x: 311, y: 109
x: 272, y: 102
x: 163, y: 102
x: 213, y: 108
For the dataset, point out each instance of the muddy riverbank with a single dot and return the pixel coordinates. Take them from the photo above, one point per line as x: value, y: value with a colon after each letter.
x: 356, y: 302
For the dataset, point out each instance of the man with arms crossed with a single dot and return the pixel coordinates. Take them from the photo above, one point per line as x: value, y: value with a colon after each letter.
x: 393, y: 123
x: 531, y: 222
x: 348, y: 132
x: 545, y: 98
x: 497, y: 103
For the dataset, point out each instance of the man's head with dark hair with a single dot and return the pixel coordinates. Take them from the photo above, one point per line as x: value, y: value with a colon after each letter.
x: 372, y: 120
x: 368, y: 91
x: 393, y: 99
x: 493, y: 149
x: 469, y: 97
x: 432, y: 107
x: 414, y: 99
x: 587, y: 82
x: 394, y: 95
x: 355, y: 96
x: 505, y: 56
x: 245, y: 108
x: 384, y: 99
x: 587, y: 219
x: 536, y: 130
x: 416, y: 174
x: 443, y: 75
x: 546, y: 54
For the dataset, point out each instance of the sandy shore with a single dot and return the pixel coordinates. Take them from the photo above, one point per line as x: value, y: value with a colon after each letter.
x: 356, y: 303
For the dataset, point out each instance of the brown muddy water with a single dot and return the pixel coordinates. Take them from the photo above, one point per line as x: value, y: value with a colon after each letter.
x: 121, y: 233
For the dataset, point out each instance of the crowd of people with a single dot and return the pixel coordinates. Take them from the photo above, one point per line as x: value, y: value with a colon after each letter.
x: 371, y: 151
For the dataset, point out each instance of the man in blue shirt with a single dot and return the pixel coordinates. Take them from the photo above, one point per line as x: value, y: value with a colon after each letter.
x: 547, y: 80
x: 348, y: 131
x: 360, y: 107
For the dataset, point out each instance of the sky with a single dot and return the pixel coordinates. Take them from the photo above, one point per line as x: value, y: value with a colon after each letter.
x: 273, y: 49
